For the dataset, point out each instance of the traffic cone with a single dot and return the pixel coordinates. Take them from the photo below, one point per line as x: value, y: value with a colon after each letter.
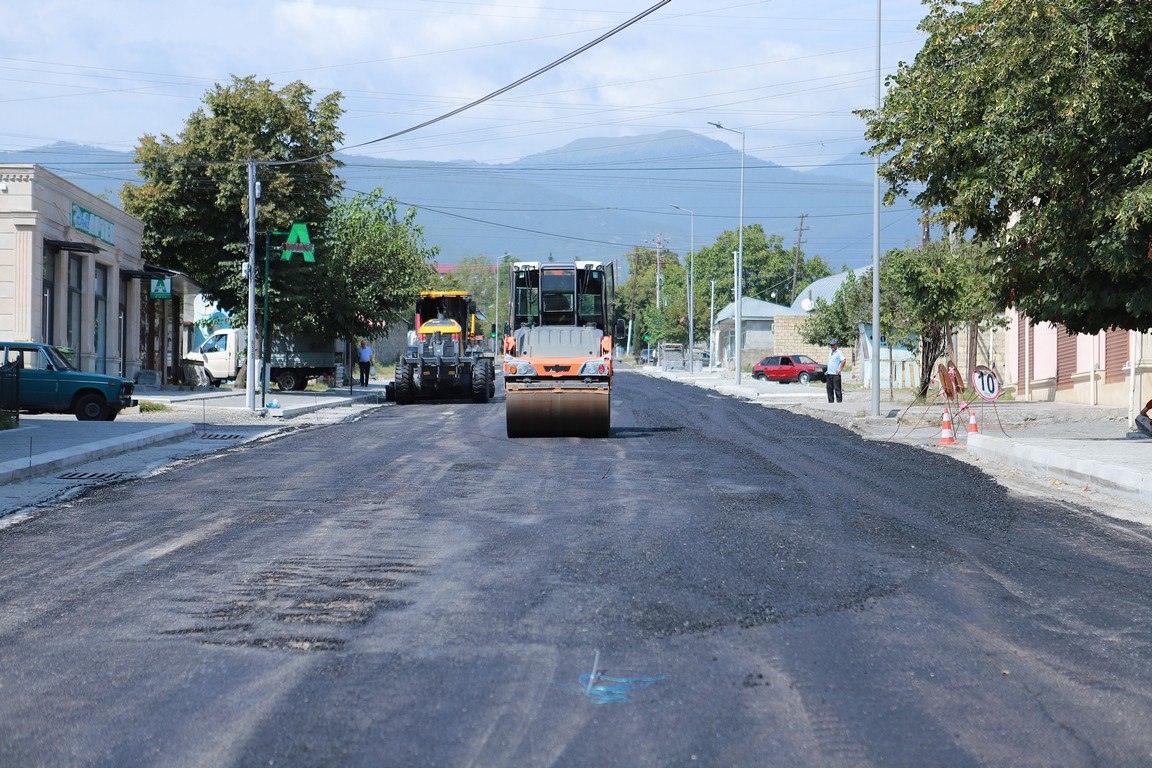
x: 973, y: 429
x: 947, y: 436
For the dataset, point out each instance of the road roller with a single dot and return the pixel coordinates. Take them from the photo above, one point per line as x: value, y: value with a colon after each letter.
x: 558, y: 350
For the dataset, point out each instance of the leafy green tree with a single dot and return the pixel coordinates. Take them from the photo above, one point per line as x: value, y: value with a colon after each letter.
x: 194, y: 199
x: 925, y: 293
x: 1027, y: 123
x: 477, y: 276
x: 373, y: 265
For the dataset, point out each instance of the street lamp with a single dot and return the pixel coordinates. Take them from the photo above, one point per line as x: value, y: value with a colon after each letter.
x: 876, y: 243
x: 739, y: 255
x: 691, y: 289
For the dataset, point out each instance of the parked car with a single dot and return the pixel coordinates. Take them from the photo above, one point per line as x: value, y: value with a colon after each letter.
x: 647, y: 357
x: 787, y: 368
x: 49, y: 383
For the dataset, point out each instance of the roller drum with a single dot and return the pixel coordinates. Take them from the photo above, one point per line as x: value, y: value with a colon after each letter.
x: 558, y: 412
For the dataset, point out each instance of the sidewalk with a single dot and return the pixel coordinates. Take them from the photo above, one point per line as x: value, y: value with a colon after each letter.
x: 47, y: 443
x: 1081, y: 444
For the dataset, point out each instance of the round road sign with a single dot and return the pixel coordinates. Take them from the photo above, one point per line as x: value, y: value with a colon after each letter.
x: 986, y: 383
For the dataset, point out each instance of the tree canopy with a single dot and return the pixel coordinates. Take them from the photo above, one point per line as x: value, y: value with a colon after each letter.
x: 373, y: 265
x: 925, y: 294
x: 194, y: 199
x: 1029, y: 124
x: 769, y: 270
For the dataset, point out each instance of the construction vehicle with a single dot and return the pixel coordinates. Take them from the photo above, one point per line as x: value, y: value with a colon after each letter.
x: 445, y: 355
x: 558, y: 352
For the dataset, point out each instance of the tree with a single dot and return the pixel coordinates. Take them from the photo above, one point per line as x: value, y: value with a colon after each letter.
x: 194, y: 199
x: 477, y: 275
x: 925, y: 293
x: 1027, y: 122
x: 373, y: 265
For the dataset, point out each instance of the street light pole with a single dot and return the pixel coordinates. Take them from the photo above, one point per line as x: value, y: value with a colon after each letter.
x: 250, y: 386
x: 712, y: 345
x: 691, y: 288
x: 876, y: 244
x: 739, y: 279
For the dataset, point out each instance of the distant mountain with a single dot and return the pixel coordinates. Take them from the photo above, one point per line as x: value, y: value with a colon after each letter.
x: 592, y: 198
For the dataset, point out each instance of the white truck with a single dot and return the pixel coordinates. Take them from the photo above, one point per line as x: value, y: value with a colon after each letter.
x: 294, y: 359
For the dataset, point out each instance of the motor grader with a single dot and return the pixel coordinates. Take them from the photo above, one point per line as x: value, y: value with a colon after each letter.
x: 558, y: 351
x: 445, y: 356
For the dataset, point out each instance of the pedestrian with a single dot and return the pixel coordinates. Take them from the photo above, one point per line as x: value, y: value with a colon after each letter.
x: 1143, y: 423
x: 832, y: 375
x: 365, y: 361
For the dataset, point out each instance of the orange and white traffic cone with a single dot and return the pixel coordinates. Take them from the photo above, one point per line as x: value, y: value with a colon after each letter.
x: 947, y: 436
x: 973, y: 428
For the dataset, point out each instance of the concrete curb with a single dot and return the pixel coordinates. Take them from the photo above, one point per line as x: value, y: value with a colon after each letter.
x: 46, y: 463
x: 1043, y: 460
x: 299, y: 410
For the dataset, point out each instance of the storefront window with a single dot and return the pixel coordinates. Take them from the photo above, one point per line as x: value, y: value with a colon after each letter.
x: 75, y: 302
x: 100, y: 322
x: 48, y: 303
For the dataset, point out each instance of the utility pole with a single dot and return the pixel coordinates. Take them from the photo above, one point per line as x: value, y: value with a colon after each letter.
x: 796, y: 265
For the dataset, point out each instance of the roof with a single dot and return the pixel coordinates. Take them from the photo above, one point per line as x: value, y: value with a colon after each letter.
x: 755, y: 309
x: 824, y: 288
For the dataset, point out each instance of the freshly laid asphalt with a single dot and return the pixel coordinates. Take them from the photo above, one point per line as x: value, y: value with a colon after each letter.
x: 1088, y: 445
x: 44, y: 444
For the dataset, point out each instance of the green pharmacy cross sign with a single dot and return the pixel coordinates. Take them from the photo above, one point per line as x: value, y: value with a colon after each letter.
x: 298, y: 242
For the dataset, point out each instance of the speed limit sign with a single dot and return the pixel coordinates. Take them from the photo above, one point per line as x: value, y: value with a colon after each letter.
x: 985, y: 382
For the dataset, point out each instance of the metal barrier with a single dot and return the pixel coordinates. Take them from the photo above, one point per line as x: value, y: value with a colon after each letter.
x: 9, y: 395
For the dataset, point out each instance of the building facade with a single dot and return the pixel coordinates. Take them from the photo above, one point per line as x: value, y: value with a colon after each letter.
x: 72, y: 275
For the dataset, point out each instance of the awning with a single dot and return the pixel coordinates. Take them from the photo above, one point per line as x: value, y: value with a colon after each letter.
x: 66, y: 245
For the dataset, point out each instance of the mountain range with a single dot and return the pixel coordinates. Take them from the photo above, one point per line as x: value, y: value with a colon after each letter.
x: 592, y: 198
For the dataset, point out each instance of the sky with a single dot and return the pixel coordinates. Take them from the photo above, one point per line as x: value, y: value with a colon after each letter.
x: 787, y: 73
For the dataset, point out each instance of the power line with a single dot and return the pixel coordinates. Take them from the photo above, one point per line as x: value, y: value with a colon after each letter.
x: 531, y: 76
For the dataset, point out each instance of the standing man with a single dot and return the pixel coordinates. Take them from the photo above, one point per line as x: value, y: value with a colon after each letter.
x: 365, y: 361
x: 832, y: 375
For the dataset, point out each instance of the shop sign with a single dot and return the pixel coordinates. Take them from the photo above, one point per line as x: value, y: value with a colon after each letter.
x: 91, y: 224
x: 160, y: 288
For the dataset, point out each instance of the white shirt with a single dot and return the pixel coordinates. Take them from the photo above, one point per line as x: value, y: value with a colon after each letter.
x: 835, y: 362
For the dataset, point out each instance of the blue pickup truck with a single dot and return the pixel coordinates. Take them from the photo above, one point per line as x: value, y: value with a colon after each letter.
x: 49, y: 383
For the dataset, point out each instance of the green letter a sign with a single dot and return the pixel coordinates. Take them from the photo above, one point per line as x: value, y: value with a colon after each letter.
x: 298, y: 241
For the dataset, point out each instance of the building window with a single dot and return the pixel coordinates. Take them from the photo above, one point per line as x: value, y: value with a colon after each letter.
x: 75, y: 302
x: 48, y: 303
x: 100, y: 322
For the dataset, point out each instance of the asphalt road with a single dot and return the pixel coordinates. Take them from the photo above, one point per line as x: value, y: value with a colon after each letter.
x: 752, y: 587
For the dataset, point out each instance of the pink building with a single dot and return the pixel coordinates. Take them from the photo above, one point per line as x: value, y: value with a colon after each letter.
x: 1045, y: 363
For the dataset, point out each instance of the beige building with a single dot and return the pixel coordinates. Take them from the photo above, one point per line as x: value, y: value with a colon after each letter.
x: 72, y: 275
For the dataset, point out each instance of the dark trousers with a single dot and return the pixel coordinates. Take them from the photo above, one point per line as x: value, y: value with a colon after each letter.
x: 835, y: 393
x: 364, y: 372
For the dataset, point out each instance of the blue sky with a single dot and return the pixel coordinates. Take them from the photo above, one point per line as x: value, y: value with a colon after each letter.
x: 786, y: 72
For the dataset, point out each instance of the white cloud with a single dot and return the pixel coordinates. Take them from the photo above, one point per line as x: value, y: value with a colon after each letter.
x: 788, y: 72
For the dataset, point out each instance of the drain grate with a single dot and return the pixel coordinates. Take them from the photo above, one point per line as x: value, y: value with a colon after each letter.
x: 220, y: 436
x: 93, y: 475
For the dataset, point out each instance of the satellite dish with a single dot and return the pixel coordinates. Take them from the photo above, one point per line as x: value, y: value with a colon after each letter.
x: 806, y: 305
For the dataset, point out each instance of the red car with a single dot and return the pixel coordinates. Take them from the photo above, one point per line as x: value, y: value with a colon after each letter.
x: 799, y: 368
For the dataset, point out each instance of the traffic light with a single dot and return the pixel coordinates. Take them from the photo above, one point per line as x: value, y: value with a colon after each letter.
x: 647, y: 337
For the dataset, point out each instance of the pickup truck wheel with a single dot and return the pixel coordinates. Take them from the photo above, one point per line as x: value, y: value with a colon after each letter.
x: 803, y: 377
x: 286, y: 380
x: 92, y: 407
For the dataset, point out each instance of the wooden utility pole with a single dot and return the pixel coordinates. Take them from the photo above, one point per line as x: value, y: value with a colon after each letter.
x: 796, y: 264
